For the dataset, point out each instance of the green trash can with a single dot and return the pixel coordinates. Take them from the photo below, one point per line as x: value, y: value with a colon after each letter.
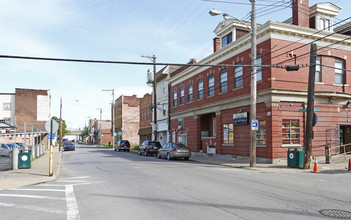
x: 296, y: 157
x: 24, y: 159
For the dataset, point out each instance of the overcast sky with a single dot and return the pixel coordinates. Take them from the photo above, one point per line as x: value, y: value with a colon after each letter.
x: 173, y: 30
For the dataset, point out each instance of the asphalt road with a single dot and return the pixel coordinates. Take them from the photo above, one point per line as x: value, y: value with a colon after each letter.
x: 99, y: 183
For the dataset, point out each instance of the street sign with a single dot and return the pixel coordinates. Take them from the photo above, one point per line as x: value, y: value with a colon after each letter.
x: 51, y: 136
x: 305, y: 110
x: 55, y: 126
x: 254, y: 125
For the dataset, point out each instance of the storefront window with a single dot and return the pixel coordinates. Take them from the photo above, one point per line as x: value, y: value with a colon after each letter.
x: 228, y: 134
x: 291, y: 131
x: 261, y: 133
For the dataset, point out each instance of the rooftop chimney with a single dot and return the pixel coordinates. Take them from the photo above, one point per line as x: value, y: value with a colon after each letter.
x: 301, y: 13
x: 216, y: 44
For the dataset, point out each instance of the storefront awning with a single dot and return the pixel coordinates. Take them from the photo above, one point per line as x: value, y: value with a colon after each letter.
x: 145, y: 131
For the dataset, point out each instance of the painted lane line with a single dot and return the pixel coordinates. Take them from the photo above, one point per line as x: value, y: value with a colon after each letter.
x: 48, y: 190
x: 78, y: 177
x: 72, y: 207
x: 72, y: 181
x: 31, y: 196
x: 33, y: 208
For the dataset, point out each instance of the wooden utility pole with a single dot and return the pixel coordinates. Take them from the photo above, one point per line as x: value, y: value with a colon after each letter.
x: 310, y: 107
x: 253, y: 96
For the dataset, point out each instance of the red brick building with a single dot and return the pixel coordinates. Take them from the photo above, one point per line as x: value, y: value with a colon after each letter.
x: 211, y: 105
x: 127, y: 110
x: 145, y: 130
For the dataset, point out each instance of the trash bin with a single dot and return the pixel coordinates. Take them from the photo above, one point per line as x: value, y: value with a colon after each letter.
x: 296, y: 157
x: 24, y: 159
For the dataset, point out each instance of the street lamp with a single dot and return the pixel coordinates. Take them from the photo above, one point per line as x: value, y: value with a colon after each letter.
x: 113, y: 115
x: 253, y: 95
x: 60, y: 143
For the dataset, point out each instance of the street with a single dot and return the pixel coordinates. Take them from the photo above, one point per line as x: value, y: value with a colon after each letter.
x: 99, y: 183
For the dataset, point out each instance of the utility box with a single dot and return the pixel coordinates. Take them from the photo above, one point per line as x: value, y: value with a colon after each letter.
x: 24, y: 159
x: 211, y: 149
x: 296, y: 157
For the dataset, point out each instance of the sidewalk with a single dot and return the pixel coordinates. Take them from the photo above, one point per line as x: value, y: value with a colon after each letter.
x: 38, y: 173
x: 339, y: 164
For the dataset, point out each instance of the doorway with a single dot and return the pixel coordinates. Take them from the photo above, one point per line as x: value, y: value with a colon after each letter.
x: 346, y: 135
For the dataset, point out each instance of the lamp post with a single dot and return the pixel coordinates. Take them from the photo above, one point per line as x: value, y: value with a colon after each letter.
x: 153, y: 58
x: 253, y: 94
x: 60, y: 141
x: 113, y: 115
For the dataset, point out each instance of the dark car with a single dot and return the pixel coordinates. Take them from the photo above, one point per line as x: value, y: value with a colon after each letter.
x: 122, y: 145
x: 173, y: 151
x: 149, y: 148
x: 67, y: 145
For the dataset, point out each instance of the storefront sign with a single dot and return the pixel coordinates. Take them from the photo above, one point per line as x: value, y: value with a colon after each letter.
x: 241, y: 119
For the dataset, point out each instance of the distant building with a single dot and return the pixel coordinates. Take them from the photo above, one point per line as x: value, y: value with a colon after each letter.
x: 145, y: 131
x: 127, y: 114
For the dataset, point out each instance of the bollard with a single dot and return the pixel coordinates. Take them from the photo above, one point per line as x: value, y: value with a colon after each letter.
x: 14, y: 159
x: 327, y: 154
x: 37, y: 151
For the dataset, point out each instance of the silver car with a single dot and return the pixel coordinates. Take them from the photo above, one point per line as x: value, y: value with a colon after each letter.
x: 173, y: 151
x: 5, y: 150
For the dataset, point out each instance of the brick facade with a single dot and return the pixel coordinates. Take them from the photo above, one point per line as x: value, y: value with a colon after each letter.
x: 127, y: 110
x: 145, y: 130
x: 280, y: 94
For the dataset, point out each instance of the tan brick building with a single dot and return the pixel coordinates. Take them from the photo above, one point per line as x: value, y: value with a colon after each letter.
x: 127, y: 116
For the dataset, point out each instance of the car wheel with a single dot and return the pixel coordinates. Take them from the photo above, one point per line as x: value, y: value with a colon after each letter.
x: 139, y: 152
x: 158, y: 155
x: 128, y: 150
x: 169, y: 157
x: 186, y: 158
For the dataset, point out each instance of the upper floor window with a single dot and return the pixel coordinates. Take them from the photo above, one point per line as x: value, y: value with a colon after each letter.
x: 164, y: 86
x: 200, y: 89
x: 325, y: 24
x: 238, y: 75
x: 174, y: 98
x: 164, y: 109
x: 7, y: 106
x: 190, y: 92
x: 339, y: 71
x: 211, y: 85
x: 227, y: 39
x: 259, y: 68
x: 224, y: 80
x: 318, y: 75
x: 181, y: 96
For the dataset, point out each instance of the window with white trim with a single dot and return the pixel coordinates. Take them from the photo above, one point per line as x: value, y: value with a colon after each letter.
x: 291, y: 131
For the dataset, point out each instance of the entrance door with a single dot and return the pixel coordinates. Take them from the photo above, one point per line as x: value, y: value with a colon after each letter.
x: 347, y: 138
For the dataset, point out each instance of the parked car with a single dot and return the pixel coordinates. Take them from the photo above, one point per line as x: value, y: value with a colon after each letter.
x: 122, y: 145
x: 80, y: 142
x: 174, y: 151
x: 6, y: 149
x: 149, y: 147
x: 67, y: 145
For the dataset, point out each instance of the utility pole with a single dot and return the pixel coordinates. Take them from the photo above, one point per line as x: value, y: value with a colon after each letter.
x: 113, y: 115
x: 99, y: 124
x: 310, y: 107
x: 253, y: 95
x: 60, y: 141
x: 153, y: 58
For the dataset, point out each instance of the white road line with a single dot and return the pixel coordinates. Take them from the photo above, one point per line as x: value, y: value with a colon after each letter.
x: 31, y: 196
x: 35, y: 208
x: 72, y: 181
x: 78, y: 177
x: 48, y: 190
x: 72, y: 207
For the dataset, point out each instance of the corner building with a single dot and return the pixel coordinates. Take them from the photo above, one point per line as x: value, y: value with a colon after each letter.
x: 211, y: 105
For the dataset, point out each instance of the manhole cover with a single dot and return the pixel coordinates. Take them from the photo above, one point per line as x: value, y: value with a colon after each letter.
x: 336, y: 213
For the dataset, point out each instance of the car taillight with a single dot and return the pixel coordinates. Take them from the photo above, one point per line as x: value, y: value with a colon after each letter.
x: 174, y: 149
x: 189, y: 150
